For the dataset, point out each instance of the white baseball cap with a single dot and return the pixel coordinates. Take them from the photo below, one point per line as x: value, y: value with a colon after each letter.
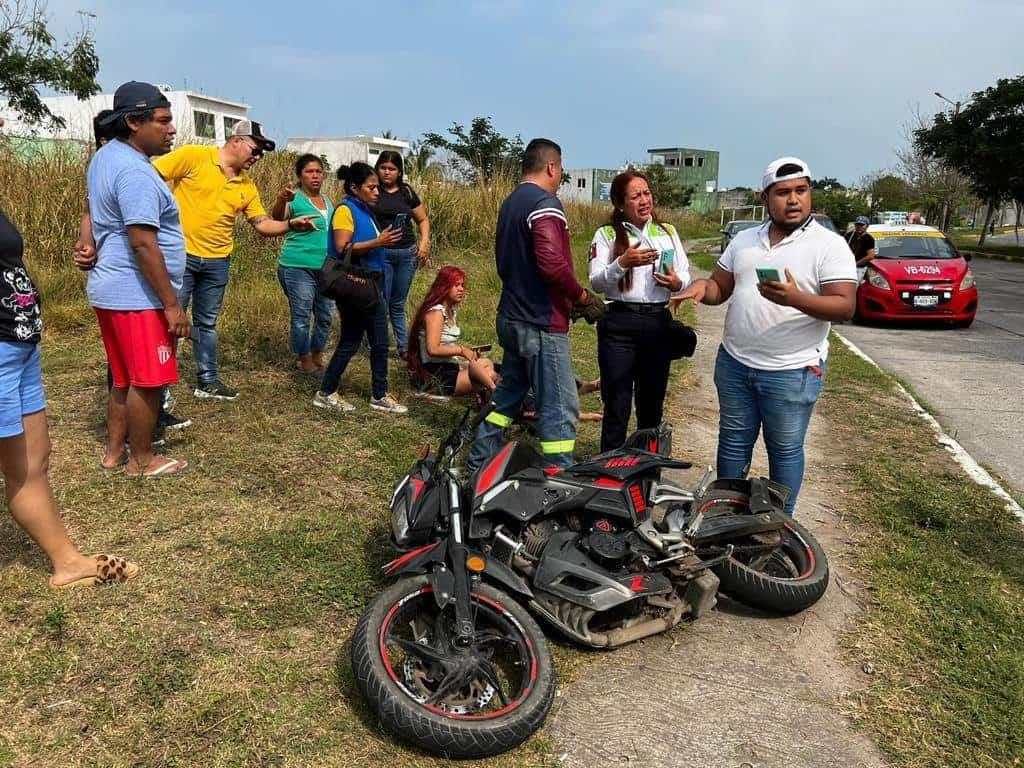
x: 771, y: 173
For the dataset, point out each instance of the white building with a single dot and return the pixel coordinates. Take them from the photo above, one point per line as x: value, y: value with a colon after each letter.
x: 345, y: 150
x: 197, y: 116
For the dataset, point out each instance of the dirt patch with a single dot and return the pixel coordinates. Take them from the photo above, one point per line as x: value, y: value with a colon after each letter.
x: 737, y: 689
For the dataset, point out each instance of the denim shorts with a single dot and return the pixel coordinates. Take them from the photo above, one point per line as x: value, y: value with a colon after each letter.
x: 21, y: 385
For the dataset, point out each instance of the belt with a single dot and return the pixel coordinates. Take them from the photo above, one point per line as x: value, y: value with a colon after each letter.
x: 635, y: 306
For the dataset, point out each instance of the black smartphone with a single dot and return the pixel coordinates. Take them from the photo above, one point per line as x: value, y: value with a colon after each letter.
x: 399, y: 221
x: 482, y: 348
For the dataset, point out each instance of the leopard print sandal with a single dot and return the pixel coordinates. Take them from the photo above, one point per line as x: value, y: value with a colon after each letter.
x: 109, y: 570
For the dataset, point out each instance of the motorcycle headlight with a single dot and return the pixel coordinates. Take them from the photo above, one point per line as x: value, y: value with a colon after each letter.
x: 968, y: 281
x: 878, y: 280
x: 400, y: 512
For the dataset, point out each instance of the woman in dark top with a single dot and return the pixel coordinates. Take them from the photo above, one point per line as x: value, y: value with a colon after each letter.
x: 400, y: 260
x: 24, y: 436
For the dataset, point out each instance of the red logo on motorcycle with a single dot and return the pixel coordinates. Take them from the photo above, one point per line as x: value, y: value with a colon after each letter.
x: 603, y: 525
x: 637, y: 584
x: 624, y: 462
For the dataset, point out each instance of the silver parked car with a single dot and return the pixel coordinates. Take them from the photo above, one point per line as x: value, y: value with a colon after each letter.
x: 732, y: 228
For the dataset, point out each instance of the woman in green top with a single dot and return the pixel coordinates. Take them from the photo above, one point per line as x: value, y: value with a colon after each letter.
x: 302, y: 256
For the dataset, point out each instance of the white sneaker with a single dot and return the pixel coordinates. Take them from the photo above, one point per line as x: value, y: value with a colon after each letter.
x: 387, y: 404
x: 332, y: 402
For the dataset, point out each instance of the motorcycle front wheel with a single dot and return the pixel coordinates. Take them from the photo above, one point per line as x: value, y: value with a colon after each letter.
x: 468, y: 702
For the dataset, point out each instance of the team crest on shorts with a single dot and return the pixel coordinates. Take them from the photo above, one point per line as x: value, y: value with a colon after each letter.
x: 163, y: 354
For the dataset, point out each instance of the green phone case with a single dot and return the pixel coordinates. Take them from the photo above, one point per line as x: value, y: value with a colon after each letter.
x: 768, y: 273
x: 668, y: 258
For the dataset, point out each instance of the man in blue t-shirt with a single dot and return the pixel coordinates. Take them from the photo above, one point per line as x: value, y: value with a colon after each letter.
x: 134, y: 286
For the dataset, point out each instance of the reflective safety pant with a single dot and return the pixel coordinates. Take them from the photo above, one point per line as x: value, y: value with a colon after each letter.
x: 538, y: 360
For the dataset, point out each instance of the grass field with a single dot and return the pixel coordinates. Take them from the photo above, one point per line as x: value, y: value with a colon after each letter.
x: 945, y: 631
x: 230, y: 649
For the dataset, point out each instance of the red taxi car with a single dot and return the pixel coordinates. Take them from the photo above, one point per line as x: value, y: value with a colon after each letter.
x: 917, y: 274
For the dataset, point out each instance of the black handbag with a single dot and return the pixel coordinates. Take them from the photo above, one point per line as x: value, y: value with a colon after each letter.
x: 354, y: 288
x: 682, y: 340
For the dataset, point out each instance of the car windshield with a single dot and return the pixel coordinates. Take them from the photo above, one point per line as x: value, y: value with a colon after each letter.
x: 914, y: 247
x: 739, y: 226
x: 826, y: 222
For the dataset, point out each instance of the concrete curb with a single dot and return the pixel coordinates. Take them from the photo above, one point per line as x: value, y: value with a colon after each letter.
x: 973, y: 470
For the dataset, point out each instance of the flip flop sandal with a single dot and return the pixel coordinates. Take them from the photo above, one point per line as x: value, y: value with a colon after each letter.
x: 109, y: 570
x: 169, y: 467
x: 114, y: 469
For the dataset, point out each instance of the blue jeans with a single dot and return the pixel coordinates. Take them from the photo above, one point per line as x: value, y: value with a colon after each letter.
x: 780, y: 402
x: 203, y: 286
x: 399, y: 268
x: 353, y: 326
x: 304, y: 300
x: 538, y: 360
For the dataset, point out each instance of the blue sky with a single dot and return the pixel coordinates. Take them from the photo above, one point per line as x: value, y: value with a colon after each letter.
x: 832, y: 82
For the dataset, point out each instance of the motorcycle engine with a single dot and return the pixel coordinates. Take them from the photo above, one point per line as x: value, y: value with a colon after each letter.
x: 607, y: 548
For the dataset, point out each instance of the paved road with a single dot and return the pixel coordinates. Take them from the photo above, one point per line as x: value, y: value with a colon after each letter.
x: 973, y: 378
x: 1007, y: 239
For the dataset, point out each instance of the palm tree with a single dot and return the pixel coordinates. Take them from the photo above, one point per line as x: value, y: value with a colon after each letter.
x: 420, y: 154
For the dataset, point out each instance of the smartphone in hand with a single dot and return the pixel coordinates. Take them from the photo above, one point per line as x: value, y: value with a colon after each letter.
x: 668, y: 257
x: 399, y: 221
x: 482, y: 348
x: 764, y: 274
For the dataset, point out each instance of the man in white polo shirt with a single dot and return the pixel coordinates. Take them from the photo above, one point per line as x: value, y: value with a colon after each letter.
x: 788, y: 279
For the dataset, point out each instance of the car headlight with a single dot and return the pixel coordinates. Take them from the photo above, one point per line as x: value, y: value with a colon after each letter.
x: 968, y: 281
x: 878, y: 280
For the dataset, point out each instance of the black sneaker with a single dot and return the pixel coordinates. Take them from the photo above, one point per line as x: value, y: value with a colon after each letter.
x: 170, y: 421
x: 215, y: 389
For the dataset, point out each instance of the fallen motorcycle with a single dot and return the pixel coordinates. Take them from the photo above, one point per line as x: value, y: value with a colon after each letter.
x: 606, y: 552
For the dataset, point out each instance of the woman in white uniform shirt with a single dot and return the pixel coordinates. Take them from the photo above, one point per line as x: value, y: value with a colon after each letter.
x: 637, y: 262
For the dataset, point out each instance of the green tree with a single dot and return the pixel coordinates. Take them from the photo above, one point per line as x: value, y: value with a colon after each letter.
x: 481, y: 153
x: 889, y: 192
x: 31, y: 58
x: 842, y: 206
x: 983, y: 142
x: 666, y: 188
x: 827, y: 184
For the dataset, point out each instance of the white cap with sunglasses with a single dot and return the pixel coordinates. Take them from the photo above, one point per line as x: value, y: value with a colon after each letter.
x: 250, y: 129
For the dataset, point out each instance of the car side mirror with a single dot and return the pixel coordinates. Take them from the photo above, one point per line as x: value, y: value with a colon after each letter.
x: 967, y: 255
x: 723, y: 232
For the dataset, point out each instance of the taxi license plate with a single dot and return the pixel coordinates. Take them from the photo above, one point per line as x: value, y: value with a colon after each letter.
x: 926, y: 301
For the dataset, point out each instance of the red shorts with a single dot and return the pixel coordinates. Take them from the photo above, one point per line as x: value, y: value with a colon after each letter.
x: 139, y: 346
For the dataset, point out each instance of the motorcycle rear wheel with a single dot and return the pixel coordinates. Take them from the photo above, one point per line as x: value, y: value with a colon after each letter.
x: 402, y: 655
x: 789, y: 579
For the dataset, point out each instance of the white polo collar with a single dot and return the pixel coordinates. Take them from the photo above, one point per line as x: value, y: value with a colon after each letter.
x: 763, y: 234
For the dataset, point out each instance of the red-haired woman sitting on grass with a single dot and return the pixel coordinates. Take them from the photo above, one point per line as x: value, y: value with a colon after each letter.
x: 439, y: 363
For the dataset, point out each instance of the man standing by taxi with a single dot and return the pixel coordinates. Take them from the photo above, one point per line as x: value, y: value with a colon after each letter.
x: 212, y: 186
x: 788, y: 280
x: 862, y: 244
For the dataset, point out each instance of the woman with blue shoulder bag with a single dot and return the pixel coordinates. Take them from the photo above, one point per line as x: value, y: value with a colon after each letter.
x: 354, y: 228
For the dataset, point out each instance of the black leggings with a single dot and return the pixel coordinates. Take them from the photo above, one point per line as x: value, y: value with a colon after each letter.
x: 632, y: 354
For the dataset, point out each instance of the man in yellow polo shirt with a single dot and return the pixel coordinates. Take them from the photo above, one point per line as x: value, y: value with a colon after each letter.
x: 212, y: 187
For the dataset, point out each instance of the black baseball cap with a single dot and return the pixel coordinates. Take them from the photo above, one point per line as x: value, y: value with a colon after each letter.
x: 134, y: 96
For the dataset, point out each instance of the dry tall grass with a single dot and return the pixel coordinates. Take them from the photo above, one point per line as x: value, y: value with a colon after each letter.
x: 42, y: 194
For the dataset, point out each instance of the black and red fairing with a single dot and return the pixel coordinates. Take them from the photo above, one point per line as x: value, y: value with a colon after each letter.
x: 417, y: 502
